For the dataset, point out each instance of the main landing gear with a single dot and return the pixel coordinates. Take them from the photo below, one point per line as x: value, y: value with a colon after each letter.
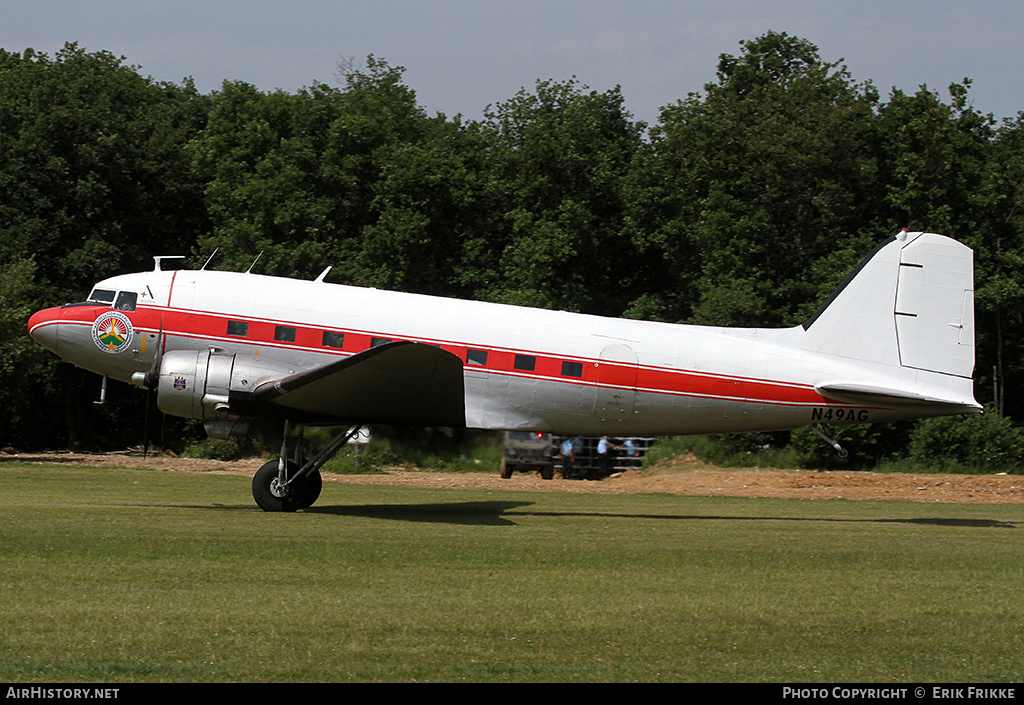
x: 840, y: 453
x: 288, y: 484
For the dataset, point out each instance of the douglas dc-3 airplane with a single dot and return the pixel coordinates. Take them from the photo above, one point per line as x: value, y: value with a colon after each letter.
x: 894, y: 341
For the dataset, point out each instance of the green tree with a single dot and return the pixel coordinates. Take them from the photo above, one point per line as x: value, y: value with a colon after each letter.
x: 27, y: 371
x: 94, y: 181
x: 767, y: 181
x: 559, y: 162
x: 981, y: 443
x: 430, y: 210
x: 358, y: 178
x: 999, y: 258
x: 93, y: 176
x: 268, y: 189
x: 933, y: 157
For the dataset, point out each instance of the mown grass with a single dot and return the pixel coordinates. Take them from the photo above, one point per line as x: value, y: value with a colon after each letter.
x: 134, y: 576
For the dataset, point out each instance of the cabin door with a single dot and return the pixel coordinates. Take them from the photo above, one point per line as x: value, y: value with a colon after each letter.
x: 616, y: 383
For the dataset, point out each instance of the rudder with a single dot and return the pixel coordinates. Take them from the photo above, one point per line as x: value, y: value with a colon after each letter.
x: 935, y: 306
x: 909, y: 304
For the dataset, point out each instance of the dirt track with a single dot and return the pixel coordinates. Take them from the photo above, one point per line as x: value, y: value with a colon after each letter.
x: 686, y: 476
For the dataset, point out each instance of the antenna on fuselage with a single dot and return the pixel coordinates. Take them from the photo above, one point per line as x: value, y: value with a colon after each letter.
x: 323, y: 274
x: 249, y: 270
x: 210, y: 258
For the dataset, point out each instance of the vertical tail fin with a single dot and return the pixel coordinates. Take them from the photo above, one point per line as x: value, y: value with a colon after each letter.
x: 909, y: 306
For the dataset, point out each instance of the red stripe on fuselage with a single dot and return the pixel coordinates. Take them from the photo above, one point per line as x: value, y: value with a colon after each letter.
x: 212, y: 326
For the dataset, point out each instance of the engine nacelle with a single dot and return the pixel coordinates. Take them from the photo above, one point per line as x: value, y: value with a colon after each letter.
x: 199, y: 385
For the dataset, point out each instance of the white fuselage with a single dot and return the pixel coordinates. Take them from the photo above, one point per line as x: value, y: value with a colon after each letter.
x: 524, y: 369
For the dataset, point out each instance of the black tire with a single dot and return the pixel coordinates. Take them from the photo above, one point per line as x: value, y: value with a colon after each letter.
x: 506, y: 469
x: 263, y: 490
x: 843, y: 456
x: 547, y: 471
x: 307, y: 489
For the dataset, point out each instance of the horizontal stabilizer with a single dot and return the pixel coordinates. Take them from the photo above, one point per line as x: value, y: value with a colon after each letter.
x: 858, y: 393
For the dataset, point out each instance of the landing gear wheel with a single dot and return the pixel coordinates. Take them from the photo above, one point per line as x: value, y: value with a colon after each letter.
x: 268, y: 493
x: 272, y: 495
x: 841, y: 455
x: 307, y: 489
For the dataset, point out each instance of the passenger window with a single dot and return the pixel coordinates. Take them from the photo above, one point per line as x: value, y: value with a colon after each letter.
x: 572, y: 369
x: 239, y: 328
x: 284, y: 334
x: 476, y: 357
x: 333, y: 340
x: 525, y: 362
x: 126, y: 301
x: 374, y: 342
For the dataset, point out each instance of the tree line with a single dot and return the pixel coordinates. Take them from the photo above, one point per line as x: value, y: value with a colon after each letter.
x: 745, y: 204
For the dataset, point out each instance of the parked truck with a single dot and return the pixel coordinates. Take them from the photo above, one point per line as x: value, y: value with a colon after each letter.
x: 527, y: 451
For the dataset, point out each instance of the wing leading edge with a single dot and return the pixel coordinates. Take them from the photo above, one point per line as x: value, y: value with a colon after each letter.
x: 395, y: 383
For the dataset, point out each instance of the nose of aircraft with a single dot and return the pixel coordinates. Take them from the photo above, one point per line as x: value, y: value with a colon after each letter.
x: 43, y: 327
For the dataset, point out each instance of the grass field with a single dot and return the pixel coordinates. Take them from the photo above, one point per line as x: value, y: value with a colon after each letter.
x: 140, y: 576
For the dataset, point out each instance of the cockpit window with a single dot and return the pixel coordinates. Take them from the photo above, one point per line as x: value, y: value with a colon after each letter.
x: 126, y: 301
x: 101, y: 296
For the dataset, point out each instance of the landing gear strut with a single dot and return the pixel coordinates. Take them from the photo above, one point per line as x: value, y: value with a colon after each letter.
x: 288, y: 484
x: 840, y: 453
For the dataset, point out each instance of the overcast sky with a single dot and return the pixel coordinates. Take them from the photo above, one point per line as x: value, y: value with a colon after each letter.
x: 461, y: 55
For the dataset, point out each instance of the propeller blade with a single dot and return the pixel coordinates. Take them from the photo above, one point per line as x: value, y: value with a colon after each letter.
x: 152, y: 380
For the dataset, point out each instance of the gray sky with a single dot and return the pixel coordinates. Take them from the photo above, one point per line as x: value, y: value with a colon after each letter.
x: 461, y: 55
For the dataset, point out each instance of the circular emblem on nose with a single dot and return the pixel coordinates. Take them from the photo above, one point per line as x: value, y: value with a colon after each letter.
x: 112, y: 332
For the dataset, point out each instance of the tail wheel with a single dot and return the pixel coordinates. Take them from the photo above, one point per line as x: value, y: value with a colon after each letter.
x: 841, y: 455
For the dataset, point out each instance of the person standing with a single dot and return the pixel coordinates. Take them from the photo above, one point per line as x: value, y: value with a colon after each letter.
x: 604, y: 456
x: 632, y: 453
x: 568, y: 458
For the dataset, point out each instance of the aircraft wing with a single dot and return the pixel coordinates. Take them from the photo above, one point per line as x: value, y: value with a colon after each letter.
x: 394, y: 383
